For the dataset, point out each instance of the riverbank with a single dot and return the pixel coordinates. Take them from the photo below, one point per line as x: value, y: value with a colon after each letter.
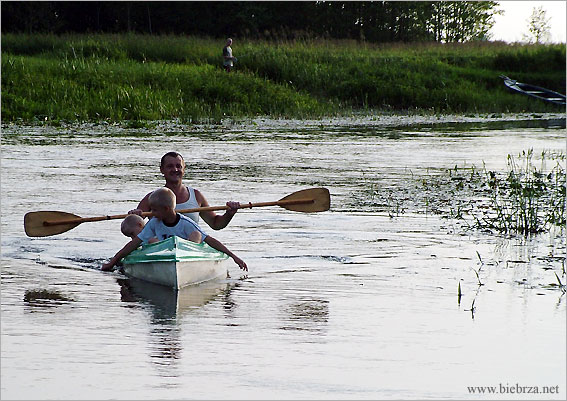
x: 146, y: 78
x: 382, y: 120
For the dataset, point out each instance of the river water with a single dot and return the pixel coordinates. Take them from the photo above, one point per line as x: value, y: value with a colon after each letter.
x: 357, y: 302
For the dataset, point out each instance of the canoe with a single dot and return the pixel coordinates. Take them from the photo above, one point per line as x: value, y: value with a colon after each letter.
x: 534, y: 91
x: 176, y: 263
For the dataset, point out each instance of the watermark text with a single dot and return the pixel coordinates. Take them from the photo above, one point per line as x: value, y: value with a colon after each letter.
x: 513, y: 389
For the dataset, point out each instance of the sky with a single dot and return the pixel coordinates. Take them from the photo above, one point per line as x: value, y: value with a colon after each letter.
x: 511, y: 26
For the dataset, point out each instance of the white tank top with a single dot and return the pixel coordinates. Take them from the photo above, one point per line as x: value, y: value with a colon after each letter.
x: 190, y: 204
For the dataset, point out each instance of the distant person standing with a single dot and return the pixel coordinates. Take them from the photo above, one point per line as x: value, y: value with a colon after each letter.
x: 227, y: 56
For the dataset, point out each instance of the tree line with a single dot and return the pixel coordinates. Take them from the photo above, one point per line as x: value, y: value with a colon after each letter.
x: 372, y: 21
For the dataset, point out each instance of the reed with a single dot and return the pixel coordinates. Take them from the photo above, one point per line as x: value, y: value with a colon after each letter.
x: 130, y: 76
x: 527, y: 199
x: 562, y: 286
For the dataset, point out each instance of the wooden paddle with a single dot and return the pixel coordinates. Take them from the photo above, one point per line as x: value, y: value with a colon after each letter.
x: 46, y: 223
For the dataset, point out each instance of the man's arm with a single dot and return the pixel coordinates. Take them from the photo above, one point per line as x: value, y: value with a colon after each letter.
x: 215, y: 221
x: 129, y: 247
x: 143, y: 206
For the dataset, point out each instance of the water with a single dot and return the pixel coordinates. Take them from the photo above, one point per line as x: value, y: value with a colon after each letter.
x: 345, y: 304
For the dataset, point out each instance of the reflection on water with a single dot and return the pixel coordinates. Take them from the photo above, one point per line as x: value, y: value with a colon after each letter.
x: 166, y: 303
x: 360, y: 302
x: 167, y: 307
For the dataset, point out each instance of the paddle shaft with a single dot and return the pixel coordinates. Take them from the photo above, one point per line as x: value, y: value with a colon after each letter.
x: 248, y: 205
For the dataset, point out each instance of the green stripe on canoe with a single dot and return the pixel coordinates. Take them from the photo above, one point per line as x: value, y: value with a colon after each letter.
x: 173, y: 249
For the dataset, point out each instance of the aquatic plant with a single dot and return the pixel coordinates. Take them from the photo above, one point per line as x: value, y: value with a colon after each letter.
x: 476, y: 272
x: 45, y: 298
x: 526, y: 200
x: 562, y: 286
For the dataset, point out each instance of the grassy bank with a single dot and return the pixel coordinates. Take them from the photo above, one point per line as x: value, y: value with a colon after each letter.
x: 135, y: 77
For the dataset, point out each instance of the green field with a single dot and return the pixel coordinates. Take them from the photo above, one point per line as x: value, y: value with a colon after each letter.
x: 142, y: 77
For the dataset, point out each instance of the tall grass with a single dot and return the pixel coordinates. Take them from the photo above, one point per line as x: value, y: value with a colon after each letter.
x: 115, y: 77
x: 87, y: 89
x: 528, y: 199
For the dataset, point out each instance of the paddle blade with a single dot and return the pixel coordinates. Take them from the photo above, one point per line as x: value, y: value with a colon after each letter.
x: 320, y: 200
x: 34, y: 223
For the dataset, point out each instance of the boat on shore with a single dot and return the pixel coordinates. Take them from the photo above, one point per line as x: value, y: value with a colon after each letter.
x: 176, y: 263
x: 534, y: 91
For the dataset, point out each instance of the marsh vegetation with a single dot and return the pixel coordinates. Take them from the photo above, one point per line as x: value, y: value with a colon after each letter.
x: 527, y: 198
x: 141, y: 77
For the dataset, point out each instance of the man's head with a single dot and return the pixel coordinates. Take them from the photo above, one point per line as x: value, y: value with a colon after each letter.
x: 174, y: 155
x: 132, y: 225
x: 172, y: 166
x: 229, y: 42
x: 162, y: 203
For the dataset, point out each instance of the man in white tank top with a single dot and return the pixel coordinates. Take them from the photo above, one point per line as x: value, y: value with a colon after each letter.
x: 190, y: 204
x: 173, y: 168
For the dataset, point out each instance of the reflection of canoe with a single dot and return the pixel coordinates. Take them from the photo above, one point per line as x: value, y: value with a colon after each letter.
x: 175, y: 262
x: 168, y: 303
x: 534, y: 91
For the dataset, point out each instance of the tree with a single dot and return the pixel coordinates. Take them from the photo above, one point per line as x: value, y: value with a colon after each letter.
x: 538, y: 26
x: 462, y: 21
x: 372, y: 21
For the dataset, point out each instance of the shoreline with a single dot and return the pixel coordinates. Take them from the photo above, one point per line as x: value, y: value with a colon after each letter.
x: 378, y: 120
x: 391, y: 120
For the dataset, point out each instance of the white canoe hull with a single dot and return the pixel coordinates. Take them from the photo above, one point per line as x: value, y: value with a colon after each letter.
x: 175, y: 263
x: 177, y: 274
